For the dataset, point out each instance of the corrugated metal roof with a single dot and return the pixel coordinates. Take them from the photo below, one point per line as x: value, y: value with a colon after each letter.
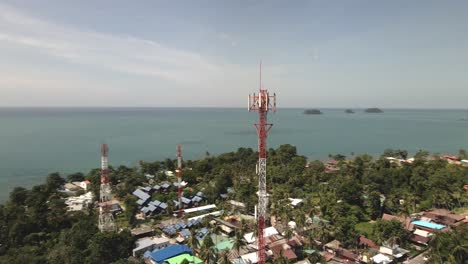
x: 141, y: 194
x: 171, y: 251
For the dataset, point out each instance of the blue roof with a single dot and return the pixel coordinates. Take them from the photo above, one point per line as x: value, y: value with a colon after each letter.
x: 165, y: 185
x: 185, y: 233
x: 163, y: 205
x: 140, y: 202
x: 200, y: 194
x: 171, y: 251
x: 186, y: 200
x: 156, y: 187
x: 428, y: 224
x: 151, y: 207
x: 141, y: 194
x: 147, y: 189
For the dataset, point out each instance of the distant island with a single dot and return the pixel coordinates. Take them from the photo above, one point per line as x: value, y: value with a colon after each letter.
x: 349, y: 111
x: 373, y: 110
x: 312, y: 112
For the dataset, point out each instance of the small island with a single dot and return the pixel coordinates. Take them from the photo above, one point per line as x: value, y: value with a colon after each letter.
x: 349, y: 111
x: 373, y: 110
x: 312, y: 112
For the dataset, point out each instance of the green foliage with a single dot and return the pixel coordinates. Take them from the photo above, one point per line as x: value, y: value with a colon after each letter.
x: 76, y: 177
x: 36, y: 228
x: 390, y: 232
x: 449, y: 247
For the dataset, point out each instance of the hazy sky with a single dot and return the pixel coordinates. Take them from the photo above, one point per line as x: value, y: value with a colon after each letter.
x: 205, y: 53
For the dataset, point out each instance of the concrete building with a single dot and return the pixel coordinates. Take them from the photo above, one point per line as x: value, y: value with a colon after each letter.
x: 149, y: 244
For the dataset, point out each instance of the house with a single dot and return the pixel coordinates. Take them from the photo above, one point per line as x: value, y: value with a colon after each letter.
x: 427, y: 226
x: 142, y: 231
x: 250, y: 258
x: 269, y: 231
x: 161, y: 255
x: 149, y: 243
x: 395, y: 251
x: 443, y: 216
x: 367, y: 243
x: 381, y: 259
x: 332, y: 246
x: 179, y: 259
x: 183, y: 235
x: 141, y: 195
x: 157, y: 188
x: 85, y: 185
x: 406, y: 221
x: 283, y: 249
x: 80, y: 202
x: 347, y: 256
x: 70, y: 187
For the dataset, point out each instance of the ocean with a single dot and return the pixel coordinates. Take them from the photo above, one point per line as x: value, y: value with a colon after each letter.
x: 37, y: 141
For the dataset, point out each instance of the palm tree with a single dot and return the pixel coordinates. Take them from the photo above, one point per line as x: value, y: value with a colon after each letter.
x: 215, y: 230
x: 207, y: 250
x: 224, y: 257
x: 193, y: 243
x: 238, y: 242
x: 288, y: 233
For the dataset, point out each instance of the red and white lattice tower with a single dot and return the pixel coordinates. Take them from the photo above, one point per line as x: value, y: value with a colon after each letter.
x: 106, y: 219
x: 262, y: 103
x: 179, y: 178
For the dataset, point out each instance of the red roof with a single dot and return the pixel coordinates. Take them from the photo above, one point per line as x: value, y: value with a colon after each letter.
x: 283, y: 249
x: 363, y: 241
x: 405, y: 221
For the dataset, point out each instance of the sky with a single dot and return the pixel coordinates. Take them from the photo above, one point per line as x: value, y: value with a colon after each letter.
x: 347, y: 54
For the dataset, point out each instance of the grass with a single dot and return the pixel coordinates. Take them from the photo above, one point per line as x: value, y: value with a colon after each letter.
x: 364, y: 228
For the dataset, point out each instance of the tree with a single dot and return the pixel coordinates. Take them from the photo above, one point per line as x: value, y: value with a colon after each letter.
x: 131, y: 209
x: 207, y: 250
x: 54, y: 181
x: 384, y: 231
x: 238, y: 241
x: 75, y: 177
x: 19, y: 195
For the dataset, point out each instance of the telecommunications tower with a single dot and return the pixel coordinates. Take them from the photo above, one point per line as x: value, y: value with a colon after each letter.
x: 106, y: 219
x: 179, y: 179
x: 262, y: 103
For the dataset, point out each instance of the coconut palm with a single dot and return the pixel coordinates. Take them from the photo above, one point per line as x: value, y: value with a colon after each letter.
x: 207, y: 250
x: 288, y: 233
x: 193, y: 243
x: 238, y: 242
x: 224, y: 257
x: 216, y: 230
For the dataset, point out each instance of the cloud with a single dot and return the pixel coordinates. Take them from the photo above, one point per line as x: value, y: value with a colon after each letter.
x: 125, y: 54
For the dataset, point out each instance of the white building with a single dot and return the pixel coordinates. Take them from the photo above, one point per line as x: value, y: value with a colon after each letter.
x: 150, y: 244
x: 86, y: 185
x: 79, y: 202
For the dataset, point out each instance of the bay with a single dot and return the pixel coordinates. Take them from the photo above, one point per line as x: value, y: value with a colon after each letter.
x: 37, y: 141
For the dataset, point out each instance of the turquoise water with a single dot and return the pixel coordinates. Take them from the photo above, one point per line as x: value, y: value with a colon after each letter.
x: 35, y: 142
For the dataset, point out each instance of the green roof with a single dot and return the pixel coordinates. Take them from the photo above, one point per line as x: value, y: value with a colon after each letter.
x: 180, y: 258
x: 309, y: 251
x: 227, y: 244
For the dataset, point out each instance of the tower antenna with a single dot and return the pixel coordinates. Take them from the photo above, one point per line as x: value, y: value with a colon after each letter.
x: 179, y: 178
x: 262, y: 103
x: 106, y: 219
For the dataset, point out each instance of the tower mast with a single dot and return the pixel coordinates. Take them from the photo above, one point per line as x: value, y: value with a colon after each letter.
x: 262, y: 103
x: 106, y: 219
x: 179, y: 178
